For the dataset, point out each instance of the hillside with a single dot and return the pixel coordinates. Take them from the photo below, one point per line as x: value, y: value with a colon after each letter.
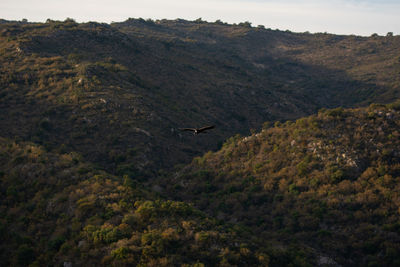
x: 328, y: 182
x: 118, y: 93
x: 56, y: 210
x: 94, y: 170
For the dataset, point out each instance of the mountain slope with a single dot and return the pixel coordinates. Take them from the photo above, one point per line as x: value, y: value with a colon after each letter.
x: 56, y: 209
x: 118, y: 93
x: 329, y: 181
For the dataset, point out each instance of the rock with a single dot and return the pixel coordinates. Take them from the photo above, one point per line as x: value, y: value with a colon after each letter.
x: 81, y: 243
x: 138, y: 130
x: 157, y: 188
x: 326, y: 261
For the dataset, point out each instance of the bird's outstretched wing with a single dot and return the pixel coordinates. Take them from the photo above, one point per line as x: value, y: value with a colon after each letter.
x: 206, y: 128
x: 187, y: 129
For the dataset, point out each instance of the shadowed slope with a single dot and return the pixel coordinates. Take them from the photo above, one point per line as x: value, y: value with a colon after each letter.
x: 111, y: 91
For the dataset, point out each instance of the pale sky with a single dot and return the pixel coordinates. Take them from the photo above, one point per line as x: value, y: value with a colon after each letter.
x: 360, y: 17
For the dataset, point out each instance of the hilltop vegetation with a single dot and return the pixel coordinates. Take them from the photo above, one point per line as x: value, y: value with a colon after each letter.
x: 93, y: 167
x: 118, y: 93
x: 329, y: 181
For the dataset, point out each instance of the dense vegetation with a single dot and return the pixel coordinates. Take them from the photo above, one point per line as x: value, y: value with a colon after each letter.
x: 56, y: 208
x: 89, y: 118
x: 118, y: 93
x: 329, y: 182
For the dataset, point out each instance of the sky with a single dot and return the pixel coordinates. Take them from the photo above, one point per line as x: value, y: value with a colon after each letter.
x: 360, y: 17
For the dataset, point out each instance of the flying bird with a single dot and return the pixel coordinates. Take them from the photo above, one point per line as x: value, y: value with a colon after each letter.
x: 197, y: 131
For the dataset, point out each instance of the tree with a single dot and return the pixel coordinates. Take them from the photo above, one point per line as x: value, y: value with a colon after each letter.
x: 245, y: 24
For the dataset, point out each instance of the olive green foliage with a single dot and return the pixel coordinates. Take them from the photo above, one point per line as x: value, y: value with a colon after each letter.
x: 329, y: 181
x: 90, y: 112
x: 52, y: 213
x: 106, y: 90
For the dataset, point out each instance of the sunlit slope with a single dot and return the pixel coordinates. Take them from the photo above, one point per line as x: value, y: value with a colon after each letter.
x: 57, y: 210
x: 329, y: 181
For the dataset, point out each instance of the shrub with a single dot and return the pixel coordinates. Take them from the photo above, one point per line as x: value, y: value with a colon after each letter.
x: 25, y: 255
x: 120, y: 253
